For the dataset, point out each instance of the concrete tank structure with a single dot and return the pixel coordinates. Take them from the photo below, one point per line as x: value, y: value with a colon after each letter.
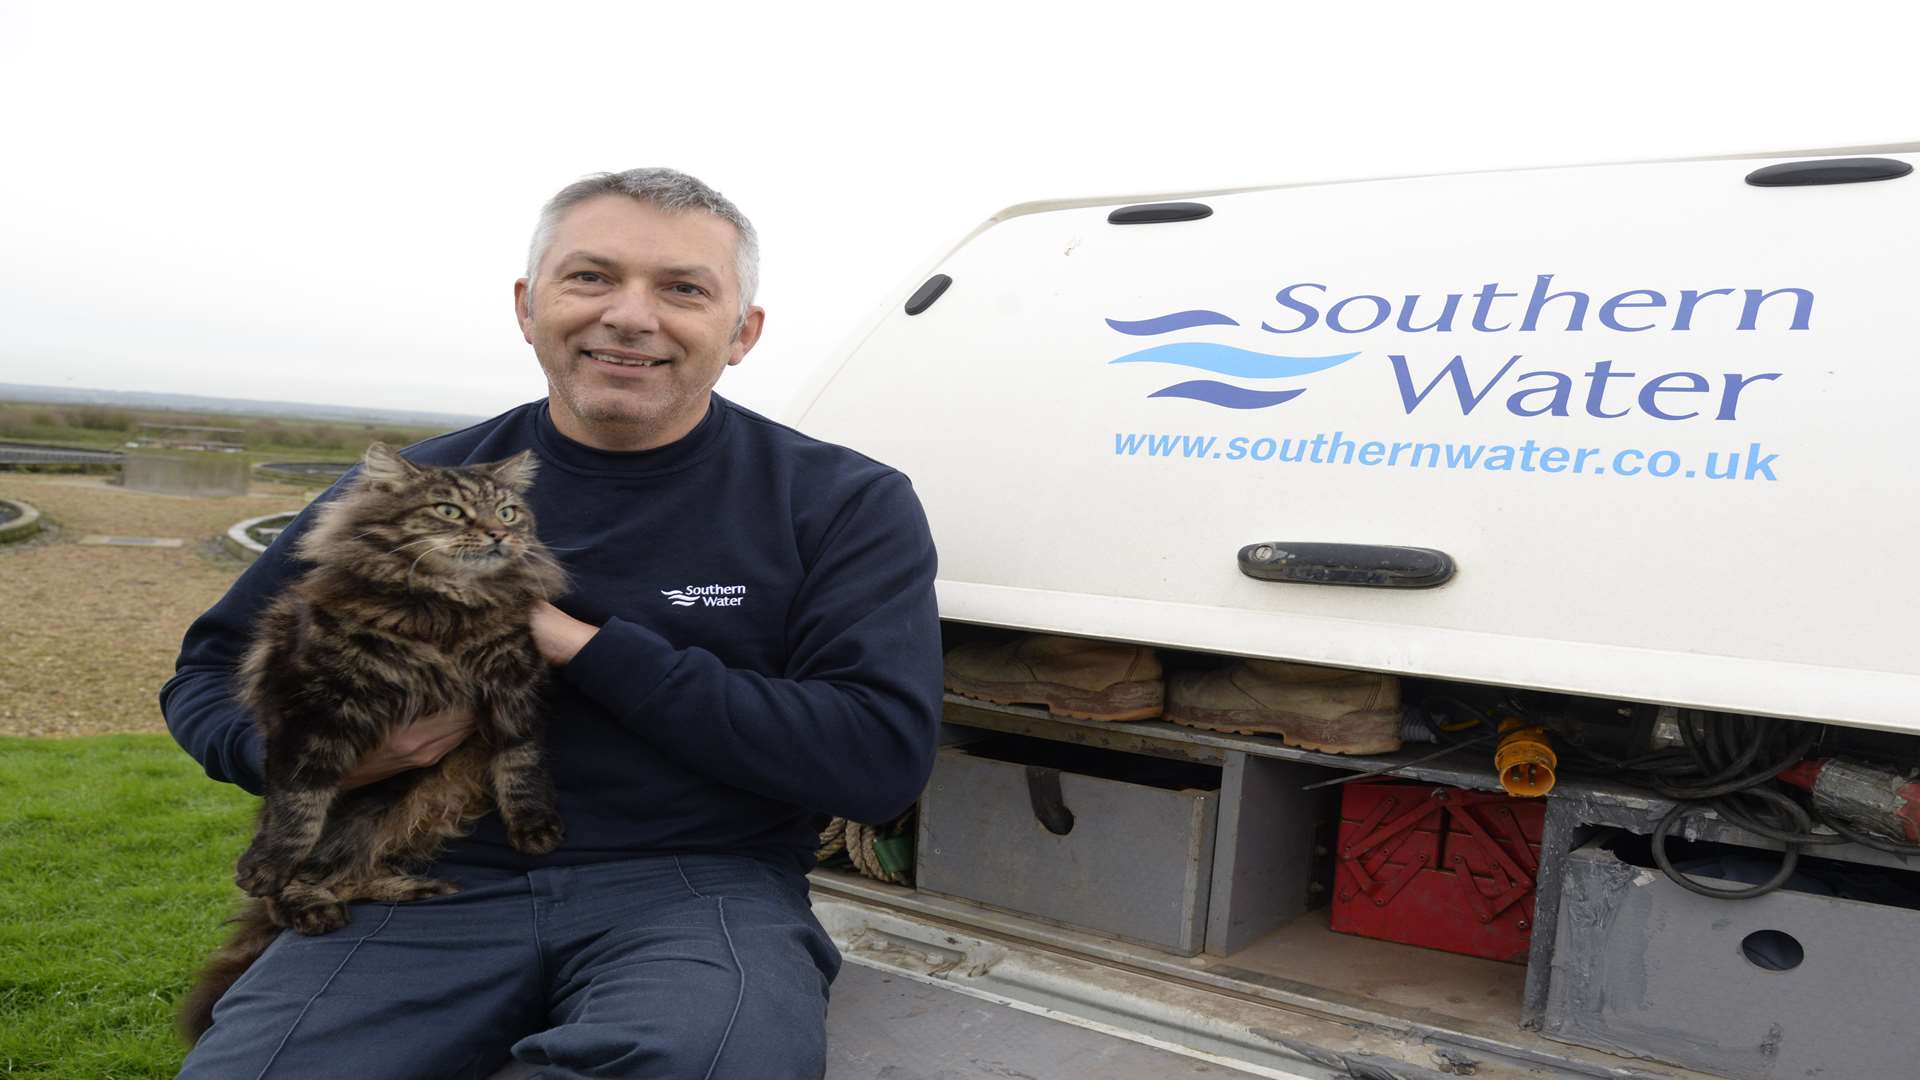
x: 186, y: 472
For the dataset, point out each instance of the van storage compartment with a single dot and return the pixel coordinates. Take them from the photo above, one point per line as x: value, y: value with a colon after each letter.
x: 1135, y: 859
x: 1793, y: 983
x: 1267, y: 933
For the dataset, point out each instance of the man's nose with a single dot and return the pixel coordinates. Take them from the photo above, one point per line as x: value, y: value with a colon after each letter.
x: 630, y: 312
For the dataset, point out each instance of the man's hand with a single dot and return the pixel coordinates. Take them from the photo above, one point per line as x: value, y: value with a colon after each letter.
x: 416, y: 746
x: 557, y: 634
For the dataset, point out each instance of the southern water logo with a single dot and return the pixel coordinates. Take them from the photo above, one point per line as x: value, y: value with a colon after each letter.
x: 710, y: 595
x: 1220, y: 360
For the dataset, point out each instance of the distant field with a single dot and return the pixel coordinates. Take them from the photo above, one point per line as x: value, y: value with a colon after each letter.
x: 102, y: 427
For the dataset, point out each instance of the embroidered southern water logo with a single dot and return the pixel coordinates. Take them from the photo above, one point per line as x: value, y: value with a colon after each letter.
x: 1220, y: 360
x: 706, y: 595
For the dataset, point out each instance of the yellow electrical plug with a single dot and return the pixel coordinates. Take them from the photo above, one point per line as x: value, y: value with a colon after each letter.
x: 1525, y: 759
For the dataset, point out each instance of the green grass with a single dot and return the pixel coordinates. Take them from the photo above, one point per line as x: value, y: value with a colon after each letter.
x: 116, y: 872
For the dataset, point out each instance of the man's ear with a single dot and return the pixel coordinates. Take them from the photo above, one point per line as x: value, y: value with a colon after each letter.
x: 516, y: 472
x: 523, y: 307
x: 749, y: 333
x: 383, y: 466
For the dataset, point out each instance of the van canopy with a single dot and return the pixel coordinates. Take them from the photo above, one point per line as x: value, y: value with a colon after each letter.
x: 1654, y: 414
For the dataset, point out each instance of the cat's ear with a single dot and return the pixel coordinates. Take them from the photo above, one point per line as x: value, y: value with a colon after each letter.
x: 516, y: 472
x: 383, y: 465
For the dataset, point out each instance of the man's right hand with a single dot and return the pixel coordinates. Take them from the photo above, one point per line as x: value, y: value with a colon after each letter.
x: 416, y: 746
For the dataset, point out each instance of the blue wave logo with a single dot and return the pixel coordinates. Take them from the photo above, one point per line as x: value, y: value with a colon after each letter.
x: 1219, y: 360
x: 1179, y: 320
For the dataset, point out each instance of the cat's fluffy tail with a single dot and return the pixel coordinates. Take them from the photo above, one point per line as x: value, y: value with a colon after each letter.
x: 254, y: 931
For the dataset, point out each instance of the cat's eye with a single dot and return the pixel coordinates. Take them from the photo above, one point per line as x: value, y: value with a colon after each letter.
x: 447, y: 510
x: 508, y: 513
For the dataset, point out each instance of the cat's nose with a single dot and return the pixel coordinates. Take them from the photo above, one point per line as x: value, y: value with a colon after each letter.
x: 498, y: 535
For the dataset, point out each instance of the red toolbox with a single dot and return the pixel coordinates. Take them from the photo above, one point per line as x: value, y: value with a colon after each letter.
x: 1441, y: 867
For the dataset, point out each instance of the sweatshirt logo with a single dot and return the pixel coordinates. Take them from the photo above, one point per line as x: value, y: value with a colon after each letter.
x: 709, y: 595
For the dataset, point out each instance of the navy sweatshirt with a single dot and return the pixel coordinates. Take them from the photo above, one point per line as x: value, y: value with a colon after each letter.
x: 768, y: 651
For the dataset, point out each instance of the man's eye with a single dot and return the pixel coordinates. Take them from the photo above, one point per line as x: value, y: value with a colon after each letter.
x: 591, y: 277
x: 447, y: 510
x: 685, y: 289
x: 507, y: 514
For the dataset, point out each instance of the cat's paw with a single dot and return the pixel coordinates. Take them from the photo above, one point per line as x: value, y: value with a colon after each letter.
x: 426, y: 889
x: 316, y: 917
x: 259, y: 873
x: 535, y: 832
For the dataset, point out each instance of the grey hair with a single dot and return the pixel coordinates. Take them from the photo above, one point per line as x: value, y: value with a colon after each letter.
x: 664, y: 189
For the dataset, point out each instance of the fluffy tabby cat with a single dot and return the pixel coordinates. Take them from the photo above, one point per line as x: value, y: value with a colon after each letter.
x: 416, y: 603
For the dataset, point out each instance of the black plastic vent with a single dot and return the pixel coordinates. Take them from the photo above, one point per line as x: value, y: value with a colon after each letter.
x: 1367, y: 565
x: 1852, y: 170
x: 1150, y: 213
x: 925, y: 295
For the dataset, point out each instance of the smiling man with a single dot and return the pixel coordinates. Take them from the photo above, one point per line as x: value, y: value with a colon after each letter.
x: 634, y: 312
x: 750, y: 645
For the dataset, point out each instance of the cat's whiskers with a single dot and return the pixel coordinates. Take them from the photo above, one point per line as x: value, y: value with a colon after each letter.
x: 410, y: 543
x: 424, y: 554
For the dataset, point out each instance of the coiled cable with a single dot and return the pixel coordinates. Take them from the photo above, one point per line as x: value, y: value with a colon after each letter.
x: 1729, y: 764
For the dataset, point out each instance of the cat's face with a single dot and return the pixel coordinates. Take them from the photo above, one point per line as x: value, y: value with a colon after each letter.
x: 466, y: 521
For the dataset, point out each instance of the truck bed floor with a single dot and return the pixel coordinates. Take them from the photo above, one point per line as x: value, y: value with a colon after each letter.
x: 887, y: 1027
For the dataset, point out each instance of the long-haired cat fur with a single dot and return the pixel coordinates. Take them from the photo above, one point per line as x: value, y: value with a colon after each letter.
x: 416, y: 603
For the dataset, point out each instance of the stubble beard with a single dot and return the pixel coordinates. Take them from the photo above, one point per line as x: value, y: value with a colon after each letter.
x: 628, y: 412
x: 611, y: 415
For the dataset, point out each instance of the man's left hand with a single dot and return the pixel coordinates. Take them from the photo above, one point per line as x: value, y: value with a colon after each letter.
x: 557, y: 634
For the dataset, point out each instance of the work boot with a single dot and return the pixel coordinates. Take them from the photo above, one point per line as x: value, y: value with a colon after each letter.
x: 1339, y: 712
x: 1092, y: 680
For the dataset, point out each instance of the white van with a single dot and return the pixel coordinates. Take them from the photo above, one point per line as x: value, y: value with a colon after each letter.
x: 1629, y: 433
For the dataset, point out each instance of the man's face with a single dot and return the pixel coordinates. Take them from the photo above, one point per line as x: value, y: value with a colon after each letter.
x: 634, y: 313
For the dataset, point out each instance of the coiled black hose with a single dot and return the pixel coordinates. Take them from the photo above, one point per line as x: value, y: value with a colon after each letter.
x: 1729, y: 764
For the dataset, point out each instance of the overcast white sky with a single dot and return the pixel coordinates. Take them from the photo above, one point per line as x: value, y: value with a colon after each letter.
x: 329, y: 202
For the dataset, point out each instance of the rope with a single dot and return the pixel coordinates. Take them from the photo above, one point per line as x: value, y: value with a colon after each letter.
x: 833, y: 840
x: 858, y: 842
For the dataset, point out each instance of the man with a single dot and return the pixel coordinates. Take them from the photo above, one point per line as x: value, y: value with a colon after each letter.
x: 694, y: 746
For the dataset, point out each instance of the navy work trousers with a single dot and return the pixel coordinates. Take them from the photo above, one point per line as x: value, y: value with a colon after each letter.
x: 695, y: 966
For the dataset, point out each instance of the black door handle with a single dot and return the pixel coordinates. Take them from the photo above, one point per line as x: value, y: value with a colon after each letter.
x: 1855, y: 170
x: 1367, y: 565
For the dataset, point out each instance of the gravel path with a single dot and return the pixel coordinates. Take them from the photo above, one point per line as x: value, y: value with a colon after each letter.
x: 88, y: 634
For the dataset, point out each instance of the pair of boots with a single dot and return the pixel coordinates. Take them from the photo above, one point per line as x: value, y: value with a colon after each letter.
x: 1327, y: 709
